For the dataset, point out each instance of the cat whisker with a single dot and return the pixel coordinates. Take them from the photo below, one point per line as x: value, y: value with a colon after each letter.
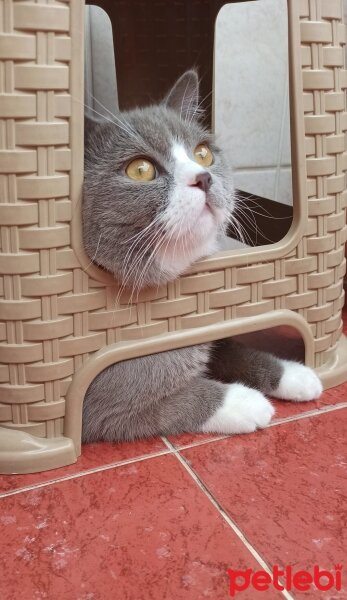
x: 124, y: 122
x: 245, y: 238
x: 184, y: 248
x: 188, y: 109
x: 173, y: 231
x: 138, y: 238
x: 95, y: 254
x: 168, y: 240
x: 250, y: 220
x: 152, y: 237
x: 245, y: 201
x: 198, y: 108
x: 156, y: 219
x: 254, y: 212
x: 101, y: 104
x: 105, y: 118
x: 243, y: 215
x: 178, y: 237
x: 138, y: 260
x: 138, y: 284
x: 183, y: 99
x: 158, y: 242
x: 139, y: 280
x: 234, y: 222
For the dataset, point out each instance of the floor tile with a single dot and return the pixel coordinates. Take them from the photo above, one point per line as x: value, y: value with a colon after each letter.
x: 336, y: 395
x: 285, y: 342
x: 332, y: 397
x: 284, y: 410
x: 143, y: 531
x: 93, y: 456
x: 286, y: 489
x: 187, y: 439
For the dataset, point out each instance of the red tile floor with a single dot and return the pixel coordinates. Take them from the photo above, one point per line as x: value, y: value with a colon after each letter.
x: 166, y: 518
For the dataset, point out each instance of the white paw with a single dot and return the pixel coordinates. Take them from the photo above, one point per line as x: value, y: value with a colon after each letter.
x: 298, y: 383
x: 243, y: 410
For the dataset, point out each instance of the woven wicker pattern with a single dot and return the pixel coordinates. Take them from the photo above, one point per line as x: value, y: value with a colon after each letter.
x: 54, y: 315
x: 35, y: 160
x: 323, y: 37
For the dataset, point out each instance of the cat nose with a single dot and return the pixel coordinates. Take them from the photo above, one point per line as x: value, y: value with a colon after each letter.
x: 203, y: 181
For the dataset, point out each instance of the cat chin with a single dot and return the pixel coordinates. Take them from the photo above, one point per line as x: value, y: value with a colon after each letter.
x: 176, y: 260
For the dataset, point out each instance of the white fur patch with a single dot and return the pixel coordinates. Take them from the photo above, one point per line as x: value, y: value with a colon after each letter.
x: 298, y: 383
x: 180, y: 154
x: 191, y: 227
x: 175, y: 257
x: 244, y: 410
x: 186, y: 169
x: 187, y: 202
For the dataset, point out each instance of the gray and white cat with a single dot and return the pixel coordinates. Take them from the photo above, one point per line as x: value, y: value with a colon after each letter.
x: 158, y: 195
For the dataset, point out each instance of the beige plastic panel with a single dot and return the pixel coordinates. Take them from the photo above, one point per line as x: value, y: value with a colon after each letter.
x: 59, y: 320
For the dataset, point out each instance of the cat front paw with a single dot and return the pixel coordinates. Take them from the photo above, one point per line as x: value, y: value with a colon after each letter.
x: 243, y: 410
x: 298, y: 383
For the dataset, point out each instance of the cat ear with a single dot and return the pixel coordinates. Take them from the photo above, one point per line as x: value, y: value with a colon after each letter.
x: 184, y: 96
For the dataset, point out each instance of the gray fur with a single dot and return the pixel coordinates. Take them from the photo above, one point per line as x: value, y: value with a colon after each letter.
x: 178, y: 390
x: 161, y: 393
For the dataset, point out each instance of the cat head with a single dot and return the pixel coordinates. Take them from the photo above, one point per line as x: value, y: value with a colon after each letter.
x: 157, y: 192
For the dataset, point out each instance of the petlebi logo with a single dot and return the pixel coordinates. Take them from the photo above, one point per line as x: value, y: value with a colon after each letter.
x: 285, y: 579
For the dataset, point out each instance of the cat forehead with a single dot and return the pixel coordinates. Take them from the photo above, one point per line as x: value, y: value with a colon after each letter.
x: 162, y: 128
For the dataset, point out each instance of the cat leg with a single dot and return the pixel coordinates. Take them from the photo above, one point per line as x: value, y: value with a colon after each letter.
x: 168, y: 394
x: 122, y: 401
x: 210, y: 406
x: 231, y: 361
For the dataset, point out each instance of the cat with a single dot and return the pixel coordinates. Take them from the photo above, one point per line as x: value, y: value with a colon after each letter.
x: 157, y: 196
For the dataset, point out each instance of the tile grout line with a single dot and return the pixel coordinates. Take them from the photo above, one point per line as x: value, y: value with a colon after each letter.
x: 99, y: 469
x: 223, y: 514
x: 283, y: 421
x: 200, y: 442
x: 107, y: 467
x: 175, y: 449
x: 310, y: 413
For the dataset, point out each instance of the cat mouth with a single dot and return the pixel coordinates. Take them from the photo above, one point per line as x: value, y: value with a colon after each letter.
x: 194, y: 217
x: 210, y: 208
x: 207, y: 212
x: 198, y: 226
x: 203, y: 225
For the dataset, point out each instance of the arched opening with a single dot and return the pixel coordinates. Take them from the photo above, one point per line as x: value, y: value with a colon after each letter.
x: 133, y: 349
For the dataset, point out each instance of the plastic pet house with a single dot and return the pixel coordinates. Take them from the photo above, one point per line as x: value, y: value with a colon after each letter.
x: 59, y: 324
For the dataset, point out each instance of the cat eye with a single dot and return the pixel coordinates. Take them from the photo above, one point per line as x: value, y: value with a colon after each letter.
x: 203, y: 155
x: 141, y: 169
